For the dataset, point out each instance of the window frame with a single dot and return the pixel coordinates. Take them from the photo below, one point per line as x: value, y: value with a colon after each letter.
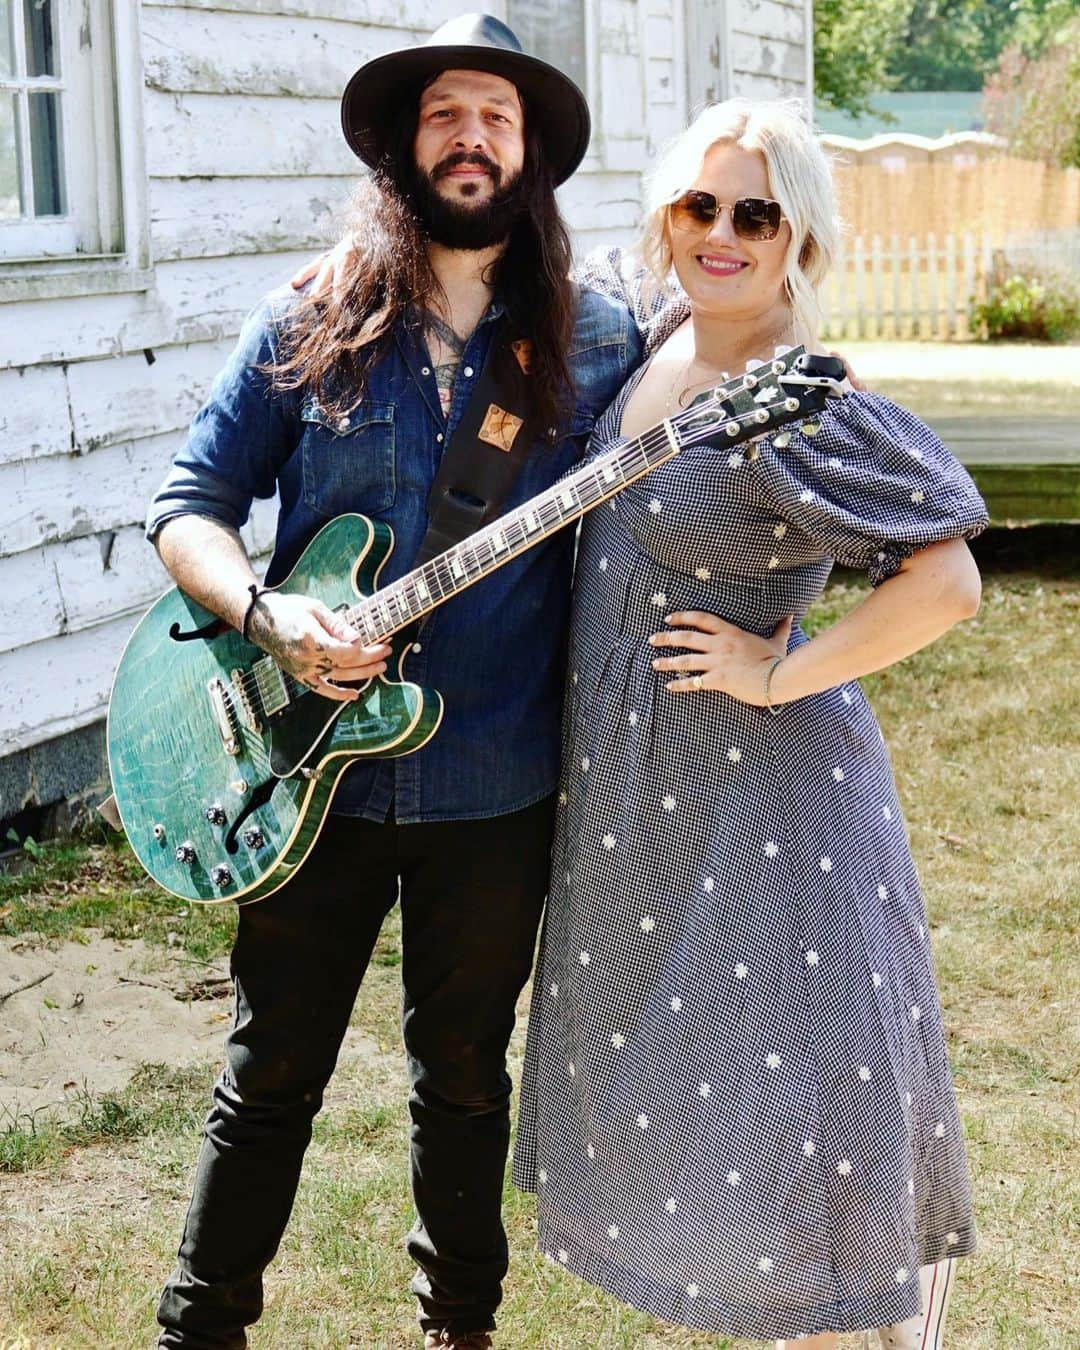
x: 102, y: 243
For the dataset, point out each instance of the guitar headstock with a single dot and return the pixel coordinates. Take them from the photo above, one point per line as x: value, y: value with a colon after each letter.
x: 793, y: 386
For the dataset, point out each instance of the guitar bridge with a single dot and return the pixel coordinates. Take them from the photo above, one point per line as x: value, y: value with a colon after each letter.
x: 245, y: 702
x: 224, y: 716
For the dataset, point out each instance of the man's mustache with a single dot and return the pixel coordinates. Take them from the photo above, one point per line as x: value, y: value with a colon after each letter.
x: 459, y: 157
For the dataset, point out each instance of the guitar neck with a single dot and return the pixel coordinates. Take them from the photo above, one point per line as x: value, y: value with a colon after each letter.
x: 422, y: 590
x: 747, y: 406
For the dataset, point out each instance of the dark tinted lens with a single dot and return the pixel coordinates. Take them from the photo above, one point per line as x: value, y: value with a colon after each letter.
x: 693, y: 209
x: 756, y: 218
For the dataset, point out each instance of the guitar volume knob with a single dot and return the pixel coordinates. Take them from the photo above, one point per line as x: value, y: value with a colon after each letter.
x: 185, y: 853
x: 215, y: 814
x: 254, y: 838
x: 221, y: 876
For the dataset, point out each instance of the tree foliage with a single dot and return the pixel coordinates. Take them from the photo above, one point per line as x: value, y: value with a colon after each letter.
x: 863, y: 47
x: 1034, y: 101
x: 853, y: 47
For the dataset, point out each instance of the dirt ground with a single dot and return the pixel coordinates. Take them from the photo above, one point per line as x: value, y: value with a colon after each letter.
x: 102, y: 1009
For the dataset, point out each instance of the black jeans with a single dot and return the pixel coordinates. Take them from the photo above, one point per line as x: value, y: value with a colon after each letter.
x: 471, y: 897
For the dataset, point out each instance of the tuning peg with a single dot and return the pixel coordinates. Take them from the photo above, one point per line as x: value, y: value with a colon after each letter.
x: 754, y: 363
x: 810, y: 428
x: 783, y: 440
x: 732, y: 428
x: 782, y: 349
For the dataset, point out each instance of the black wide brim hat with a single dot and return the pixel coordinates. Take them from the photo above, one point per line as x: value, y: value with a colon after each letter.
x: 470, y: 42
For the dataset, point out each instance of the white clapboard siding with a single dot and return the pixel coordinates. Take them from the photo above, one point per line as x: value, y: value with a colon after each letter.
x: 219, y: 217
x: 34, y: 415
x: 207, y: 52
x: 72, y: 585
x: 198, y: 300
x: 218, y: 135
x: 611, y: 200
x: 752, y: 84
x: 769, y: 57
x: 128, y: 397
x: 784, y: 22
x: 30, y: 605
x: 421, y: 16
x: 59, y: 685
x: 48, y: 500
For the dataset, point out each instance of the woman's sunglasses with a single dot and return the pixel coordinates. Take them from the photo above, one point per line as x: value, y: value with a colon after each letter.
x: 751, y: 217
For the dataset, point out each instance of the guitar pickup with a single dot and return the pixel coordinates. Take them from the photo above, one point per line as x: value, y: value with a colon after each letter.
x: 224, y: 717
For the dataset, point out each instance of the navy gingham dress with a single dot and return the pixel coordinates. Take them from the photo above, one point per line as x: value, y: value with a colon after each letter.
x: 736, y: 1107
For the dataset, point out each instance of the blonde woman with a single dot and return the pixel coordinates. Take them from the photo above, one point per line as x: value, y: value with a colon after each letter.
x: 737, y: 1112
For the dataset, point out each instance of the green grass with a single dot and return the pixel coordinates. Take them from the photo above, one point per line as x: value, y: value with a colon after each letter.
x: 60, y: 890
x: 984, y: 730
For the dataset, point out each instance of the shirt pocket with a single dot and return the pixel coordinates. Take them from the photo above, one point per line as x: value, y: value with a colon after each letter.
x: 349, y: 460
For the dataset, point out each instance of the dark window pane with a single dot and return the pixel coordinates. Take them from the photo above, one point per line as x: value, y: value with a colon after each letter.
x: 40, y: 53
x: 553, y: 30
x: 45, y: 154
x: 10, y: 205
x: 6, y: 55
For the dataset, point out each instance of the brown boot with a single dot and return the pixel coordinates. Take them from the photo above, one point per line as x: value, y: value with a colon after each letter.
x: 457, y: 1340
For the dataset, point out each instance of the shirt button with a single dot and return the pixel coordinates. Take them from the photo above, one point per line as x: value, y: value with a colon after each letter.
x: 343, y: 424
x: 467, y: 372
x: 417, y: 648
x: 439, y: 438
x: 425, y: 370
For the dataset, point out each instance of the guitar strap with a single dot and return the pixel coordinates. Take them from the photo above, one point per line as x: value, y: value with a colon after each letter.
x: 489, y: 446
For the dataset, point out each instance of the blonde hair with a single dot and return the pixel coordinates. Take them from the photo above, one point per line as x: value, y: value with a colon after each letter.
x: 800, y: 179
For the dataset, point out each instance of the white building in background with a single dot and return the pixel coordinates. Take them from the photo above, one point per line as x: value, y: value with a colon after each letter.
x: 164, y: 163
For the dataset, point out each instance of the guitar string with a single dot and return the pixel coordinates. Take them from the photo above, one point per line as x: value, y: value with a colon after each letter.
x: 630, y: 457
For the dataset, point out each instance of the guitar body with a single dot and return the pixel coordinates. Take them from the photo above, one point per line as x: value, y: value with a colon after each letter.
x: 220, y: 802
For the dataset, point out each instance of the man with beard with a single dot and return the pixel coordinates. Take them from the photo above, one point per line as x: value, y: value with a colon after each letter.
x: 345, y: 404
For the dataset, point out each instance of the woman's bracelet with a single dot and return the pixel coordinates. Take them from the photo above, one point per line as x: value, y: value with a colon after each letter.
x: 770, y: 671
x: 254, y: 591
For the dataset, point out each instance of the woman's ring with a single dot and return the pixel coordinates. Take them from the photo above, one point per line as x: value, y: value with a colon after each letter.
x: 697, y: 681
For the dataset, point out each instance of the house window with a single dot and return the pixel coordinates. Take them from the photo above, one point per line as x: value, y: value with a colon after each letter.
x: 59, y: 157
x: 553, y: 30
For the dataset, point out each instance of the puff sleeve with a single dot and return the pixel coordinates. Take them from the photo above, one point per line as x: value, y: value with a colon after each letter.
x: 872, y: 486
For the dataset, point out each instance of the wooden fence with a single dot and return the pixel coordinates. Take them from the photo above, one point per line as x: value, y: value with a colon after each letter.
x: 887, y: 287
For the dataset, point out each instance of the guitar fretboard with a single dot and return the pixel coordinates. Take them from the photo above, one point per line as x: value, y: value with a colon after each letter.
x: 425, y: 588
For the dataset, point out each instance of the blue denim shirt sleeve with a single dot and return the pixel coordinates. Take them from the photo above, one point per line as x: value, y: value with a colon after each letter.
x: 240, y: 437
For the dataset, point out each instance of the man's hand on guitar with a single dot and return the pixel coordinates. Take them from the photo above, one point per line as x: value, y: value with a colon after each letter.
x: 314, y: 645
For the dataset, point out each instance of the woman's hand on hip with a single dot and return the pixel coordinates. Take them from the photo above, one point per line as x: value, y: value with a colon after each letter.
x: 717, y: 655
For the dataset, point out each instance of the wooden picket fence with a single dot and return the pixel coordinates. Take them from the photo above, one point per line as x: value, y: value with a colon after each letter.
x: 889, y: 287
x: 886, y: 287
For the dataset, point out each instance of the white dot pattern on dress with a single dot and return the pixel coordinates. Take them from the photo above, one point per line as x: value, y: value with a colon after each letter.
x: 764, y: 860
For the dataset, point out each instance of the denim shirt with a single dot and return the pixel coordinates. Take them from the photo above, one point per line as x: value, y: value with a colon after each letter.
x: 496, y: 650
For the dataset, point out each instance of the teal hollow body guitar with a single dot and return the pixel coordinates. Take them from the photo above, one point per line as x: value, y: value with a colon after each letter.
x: 223, y: 765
